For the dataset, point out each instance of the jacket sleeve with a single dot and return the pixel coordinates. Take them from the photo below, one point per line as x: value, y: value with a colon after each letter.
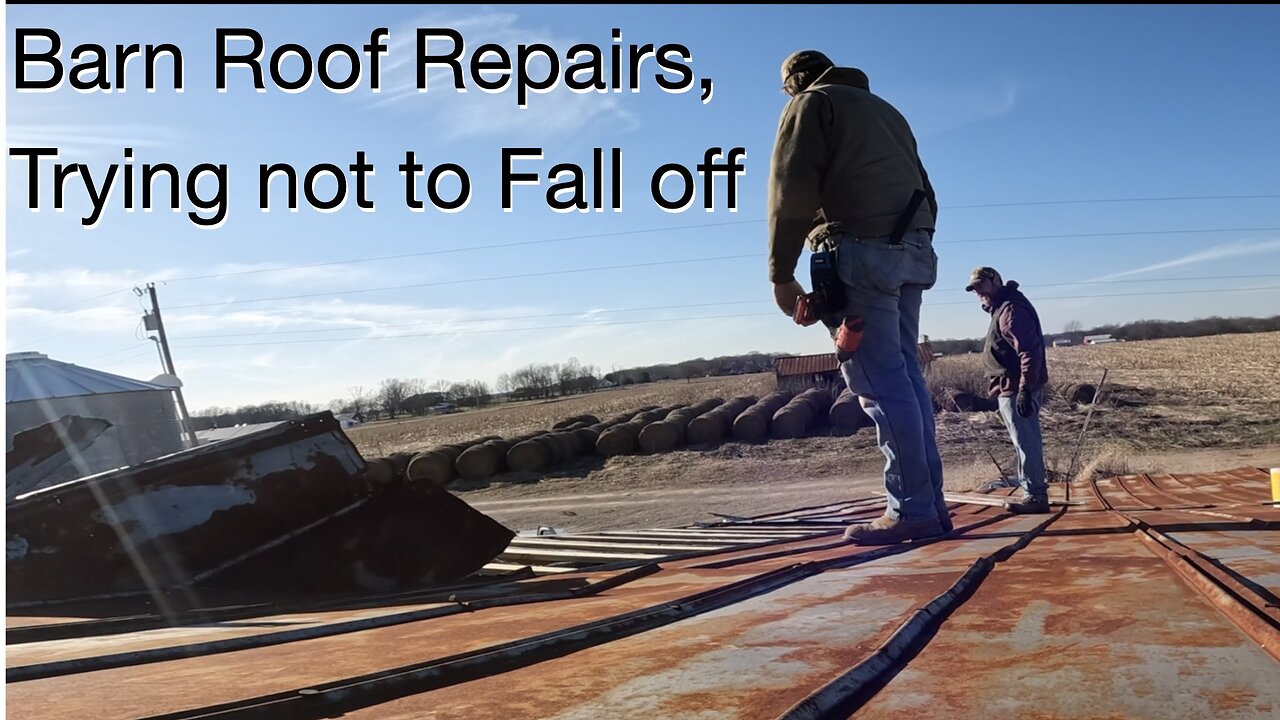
x: 795, y: 181
x: 1019, y: 329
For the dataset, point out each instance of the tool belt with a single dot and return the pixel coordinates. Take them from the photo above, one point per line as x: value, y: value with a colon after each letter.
x: 821, y: 238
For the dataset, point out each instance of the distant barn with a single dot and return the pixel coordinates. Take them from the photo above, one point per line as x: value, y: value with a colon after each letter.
x: 802, y: 372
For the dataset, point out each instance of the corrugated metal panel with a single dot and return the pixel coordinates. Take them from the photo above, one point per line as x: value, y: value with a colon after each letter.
x: 33, y: 376
x: 1155, y: 597
x: 219, y: 434
x: 806, y: 364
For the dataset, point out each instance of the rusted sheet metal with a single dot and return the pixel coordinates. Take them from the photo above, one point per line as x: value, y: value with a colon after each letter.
x: 41, y: 452
x: 1084, y: 626
x: 1094, y: 612
x: 751, y: 659
x: 1250, y: 554
x: 54, y: 659
x: 164, y: 522
x: 284, y: 668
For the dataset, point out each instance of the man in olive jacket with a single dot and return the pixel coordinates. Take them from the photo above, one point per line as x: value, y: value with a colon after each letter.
x: 848, y: 159
x: 1014, y: 358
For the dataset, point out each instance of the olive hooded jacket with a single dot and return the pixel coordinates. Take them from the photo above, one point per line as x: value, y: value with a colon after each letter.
x: 842, y: 155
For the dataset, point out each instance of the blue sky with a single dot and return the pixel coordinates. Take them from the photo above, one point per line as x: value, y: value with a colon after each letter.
x: 1013, y: 108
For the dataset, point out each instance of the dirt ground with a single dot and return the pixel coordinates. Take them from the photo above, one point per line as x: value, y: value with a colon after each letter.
x: 1183, y: 405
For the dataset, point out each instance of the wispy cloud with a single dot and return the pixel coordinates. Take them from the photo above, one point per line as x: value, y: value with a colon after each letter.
x: 939, y: 108
x: 92, y: 139
x: 1220, y: 252
x: 558, y: 113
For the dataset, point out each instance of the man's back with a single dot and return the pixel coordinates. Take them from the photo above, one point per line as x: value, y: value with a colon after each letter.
x: 848, y: 152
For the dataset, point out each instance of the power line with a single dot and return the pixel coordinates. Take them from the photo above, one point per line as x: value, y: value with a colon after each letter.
x: 700, y: 226
x: 470, y: 248
x: 677, y: 307
x: 714, y: 259
x: 478, y: 319
x: 1106, y: 235
x: 472, y: 280
x: 131, y: 357
x: 678, y: 319
x: 1110, y: 200
x: 483, y: 332
x: 113, y: 352
x: 476, y: 248
x: 1141, y: 294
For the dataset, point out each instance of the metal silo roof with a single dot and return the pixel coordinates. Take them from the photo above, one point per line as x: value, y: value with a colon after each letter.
x: 33, y: 376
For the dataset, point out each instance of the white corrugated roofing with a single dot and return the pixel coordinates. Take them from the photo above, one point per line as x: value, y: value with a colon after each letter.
x: 33, y: 376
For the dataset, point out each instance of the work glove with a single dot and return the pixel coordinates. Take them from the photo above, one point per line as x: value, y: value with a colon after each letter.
x: 1024, y: 404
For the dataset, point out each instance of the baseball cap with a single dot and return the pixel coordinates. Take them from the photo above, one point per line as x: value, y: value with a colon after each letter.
x: 803, y: 60
x: 982, y: 273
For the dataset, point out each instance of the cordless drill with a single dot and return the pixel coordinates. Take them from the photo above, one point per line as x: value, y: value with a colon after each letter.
x: 828, y: 298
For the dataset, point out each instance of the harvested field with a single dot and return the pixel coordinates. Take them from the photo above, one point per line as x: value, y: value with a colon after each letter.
x: 1164, y: 398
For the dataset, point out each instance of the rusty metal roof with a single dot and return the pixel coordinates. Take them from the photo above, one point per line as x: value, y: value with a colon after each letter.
x: 806, y: 364
x: 1150, y: 596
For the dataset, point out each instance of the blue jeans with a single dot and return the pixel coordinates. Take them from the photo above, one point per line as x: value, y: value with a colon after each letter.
x: 1025, y: 434
x: 884, y: 283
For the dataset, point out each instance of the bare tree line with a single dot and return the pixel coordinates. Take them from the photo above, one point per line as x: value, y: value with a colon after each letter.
x: 397, y: 397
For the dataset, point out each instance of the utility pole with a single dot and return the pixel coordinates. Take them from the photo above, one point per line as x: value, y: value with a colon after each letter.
x: 153, y: 321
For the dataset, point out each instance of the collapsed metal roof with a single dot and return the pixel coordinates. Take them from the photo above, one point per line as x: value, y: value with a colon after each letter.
x: 1149, y: 596
x: 34, y: 376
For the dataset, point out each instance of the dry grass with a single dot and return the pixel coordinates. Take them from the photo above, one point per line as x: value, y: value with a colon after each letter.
x: 956, y: 374
x: 1111, y: 459
x: 1242, y: 368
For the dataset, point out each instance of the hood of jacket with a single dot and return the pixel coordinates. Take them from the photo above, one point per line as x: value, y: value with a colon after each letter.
x: 1005, y: 293
x: 843, y: 76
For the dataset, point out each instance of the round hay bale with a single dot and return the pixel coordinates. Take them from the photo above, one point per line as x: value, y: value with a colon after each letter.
x: 379, y: 473
x: 528, y: 456
x: 620, y: 440
x: 755, y: 426
x: 1082, y: 393
x: 479, y: 462
x: 400, y: 462
x: 846, y: 413
x: 586, y: 438
x: 555, y: 450
x: 708, y: 428
x: 432, y: 466
x: 819, y: 400
x: 576, y: 419
x: 661, y: 436
x: 968, y: 402
x: 751, y: 426
x: 791, y: 422
x: 717, y: 424
x: 569, y: 446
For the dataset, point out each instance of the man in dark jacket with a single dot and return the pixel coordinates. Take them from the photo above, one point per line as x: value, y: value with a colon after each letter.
x: 1014, y: 359
x: 848, y: 158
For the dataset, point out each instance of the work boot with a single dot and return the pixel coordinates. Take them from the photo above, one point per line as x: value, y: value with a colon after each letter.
x: 886, y: 530
x: 1029, y: 505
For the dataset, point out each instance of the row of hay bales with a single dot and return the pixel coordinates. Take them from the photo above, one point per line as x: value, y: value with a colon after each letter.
x: 648, y: 429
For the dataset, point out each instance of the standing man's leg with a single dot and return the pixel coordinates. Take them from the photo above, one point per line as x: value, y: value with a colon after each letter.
x: 877, y: 373
x: 1027, y: 439
x: 909, y: 331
